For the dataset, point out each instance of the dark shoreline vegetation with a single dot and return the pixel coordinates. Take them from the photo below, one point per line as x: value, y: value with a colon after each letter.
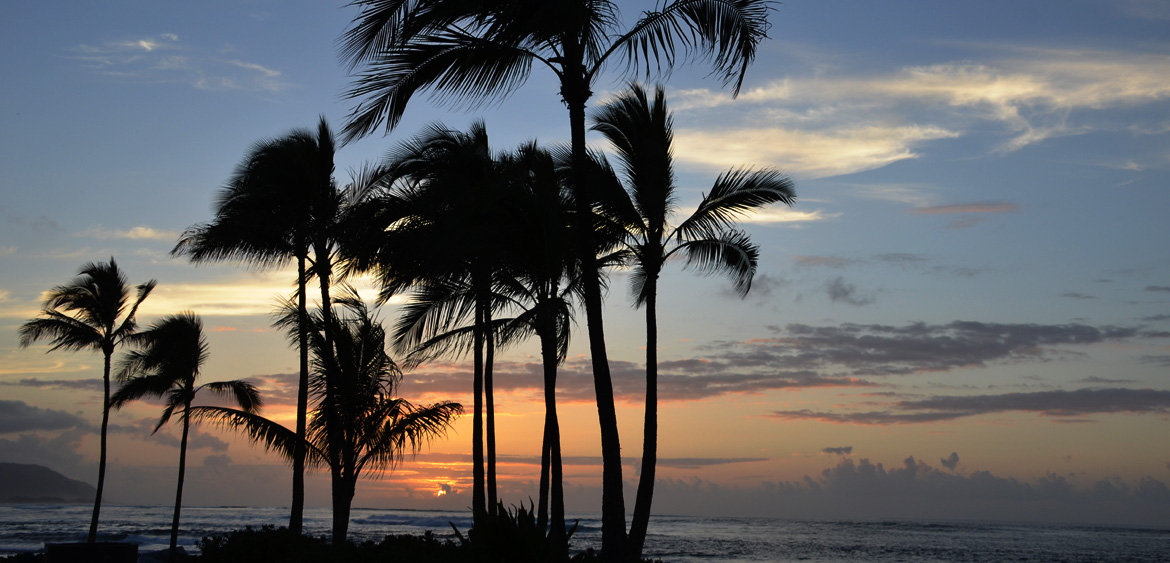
x: 492, y: 247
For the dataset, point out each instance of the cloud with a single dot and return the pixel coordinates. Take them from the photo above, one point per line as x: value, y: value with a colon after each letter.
x: 1077, y: 295
x: 18, y: 416
x: 869, y: 494
x: 950, y: 462
x: 1052, y: 404
x: 1157, y: 359
x: 984, y: 207
x: 70, y: 384
x: 843, y: 291
x: 876, y: 350
x: 1158, y: 288
x: 678, y: 380
x: 140, y: 232
x: 163, y: 58
x: 824, y: 261
x: 828, y: 123
x: 58, y: 452
x: 845, y: 450
x: 811, y: 154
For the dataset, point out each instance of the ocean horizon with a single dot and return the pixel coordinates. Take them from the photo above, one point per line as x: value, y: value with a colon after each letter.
x: 27, y: 527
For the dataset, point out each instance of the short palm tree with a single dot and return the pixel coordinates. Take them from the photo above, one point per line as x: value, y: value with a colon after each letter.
x: 167, y: 364
x: 640, y: 131
x: 480, y: 50
x: 95, y: 312
x: 376, y: 428
x: 281, y: 203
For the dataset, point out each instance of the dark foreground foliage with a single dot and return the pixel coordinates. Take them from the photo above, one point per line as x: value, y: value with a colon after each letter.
x: 279, y: 544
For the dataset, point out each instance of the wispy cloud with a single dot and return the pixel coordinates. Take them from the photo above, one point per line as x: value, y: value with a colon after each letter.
x: 140, y: 232
x: 809, y: 154
x: 1054, y: 404
x: 982, y: 207
x: 827, y: 124
x: 164, y: 58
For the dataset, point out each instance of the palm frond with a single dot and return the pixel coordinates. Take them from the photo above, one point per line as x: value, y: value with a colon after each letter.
x: 238, y: 391
x: 732, y: 254
x: 735, y: 194
x: 273, y: 436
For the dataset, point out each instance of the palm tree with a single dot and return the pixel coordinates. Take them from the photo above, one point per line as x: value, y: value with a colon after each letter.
x: 166, y: 364
x: 541, y: 282
x: 640, y: 131
x: 434, y: 226
x: 480, y: 50
x: 377, y: 428
x: 280, y: 203
x: 93, y: 311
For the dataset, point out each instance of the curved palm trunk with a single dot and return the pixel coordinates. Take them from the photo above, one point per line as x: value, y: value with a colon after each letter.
x: 297, y: 510
x: 613, y: 509
x: 552, y: 476
x: 179, y: 489
x: 101, y: 482
x: 490, y: 410
x: 641, y: 518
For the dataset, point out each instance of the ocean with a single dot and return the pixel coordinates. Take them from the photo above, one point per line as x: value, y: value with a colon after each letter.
x: 674, y: 539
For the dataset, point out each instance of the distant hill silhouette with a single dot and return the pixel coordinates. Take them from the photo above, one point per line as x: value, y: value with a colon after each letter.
x: 20, y: 482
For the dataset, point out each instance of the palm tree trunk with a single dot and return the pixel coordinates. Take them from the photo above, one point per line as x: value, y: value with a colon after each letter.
x: 179, y: 489
x: 297, y: 510
x: 641, y: 518
x: 490, y: 408
x: 478, y: 503
x: 552, y: 483
x: 613, y: 507
x: 101, y: 481
x: 545, y: 461
x: 343, y: 489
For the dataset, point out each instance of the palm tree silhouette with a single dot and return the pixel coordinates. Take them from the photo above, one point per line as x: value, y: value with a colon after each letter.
x: 280, y: 203
x: 480, y: 50
x: 640, y: 131
x: 541, y: 282
x: 166, y: 364
x: 378, y: 428
x: 433, y: 227
x: 93, y: 311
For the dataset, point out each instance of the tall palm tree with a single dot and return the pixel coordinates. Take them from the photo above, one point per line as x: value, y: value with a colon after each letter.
x: 479, y: 50
x: 94, y: 311
x: 166, y: 364
x: 641, y: 133
x: 433, y: 226
x: 281, y: 203
x: 377, y: 427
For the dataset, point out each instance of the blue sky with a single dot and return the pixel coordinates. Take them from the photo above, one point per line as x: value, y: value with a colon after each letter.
x: 977, y: 262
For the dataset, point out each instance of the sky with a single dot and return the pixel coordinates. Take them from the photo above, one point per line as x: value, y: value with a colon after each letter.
x: 965, y: 315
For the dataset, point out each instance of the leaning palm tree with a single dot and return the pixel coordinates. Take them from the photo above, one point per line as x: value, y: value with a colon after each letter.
x: 94, y: 311
x: 281, y: 203
x: 480, y: 50
x: 167, y: 364
x: 640, y: 131
x: 377, y: 427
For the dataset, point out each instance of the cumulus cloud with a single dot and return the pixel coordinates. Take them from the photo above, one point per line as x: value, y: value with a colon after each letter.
x: 1052, y: 404
x: 18, y: 416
